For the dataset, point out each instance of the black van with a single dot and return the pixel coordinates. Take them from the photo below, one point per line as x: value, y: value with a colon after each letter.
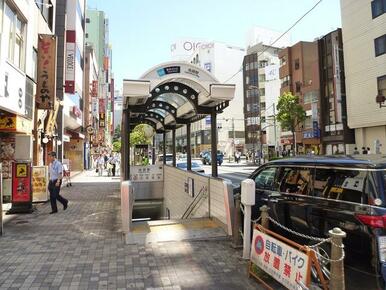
x: 312, y: 195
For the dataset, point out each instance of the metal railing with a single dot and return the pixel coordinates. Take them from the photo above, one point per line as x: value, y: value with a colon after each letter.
x: 192, y: 206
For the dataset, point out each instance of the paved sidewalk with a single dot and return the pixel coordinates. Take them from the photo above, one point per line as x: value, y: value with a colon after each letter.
x: 83, y: 248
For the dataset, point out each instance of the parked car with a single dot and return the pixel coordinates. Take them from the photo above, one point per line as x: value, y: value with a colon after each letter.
x: 160, y: 159
x: 312, y: 195
x: 195, y: 166
x: 207, y: 158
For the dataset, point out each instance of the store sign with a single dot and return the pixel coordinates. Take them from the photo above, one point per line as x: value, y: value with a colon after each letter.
x: 146, y: 173
x: 94, y: 89
x: 12, y: 95
x: 285, y: 264
x: 39, y: 183
x: 21, y: 182
x: 102, y: 105
x: 168, y: 70
x: 50, y: 128
x: 102, y: 120
x: 14, y: 123
x: 45, y: 94
x: 271, y: 72
x: 70, y: 61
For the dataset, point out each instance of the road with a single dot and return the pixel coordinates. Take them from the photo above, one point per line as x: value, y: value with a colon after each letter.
x: 232, y: 171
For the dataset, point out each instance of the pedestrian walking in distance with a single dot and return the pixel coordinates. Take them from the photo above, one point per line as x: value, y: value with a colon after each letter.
x: 56, y: 175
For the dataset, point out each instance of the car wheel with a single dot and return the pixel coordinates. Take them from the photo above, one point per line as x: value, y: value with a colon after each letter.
x: 204, y: 162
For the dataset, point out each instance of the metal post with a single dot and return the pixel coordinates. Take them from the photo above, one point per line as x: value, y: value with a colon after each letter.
x: 164, y: 146
x: 337, y: 268
x: 125, y: 145
x: 234, y: 138
x: 153, y: 157
x: 174, y: 146
x: 188, y: 149
x: 248, y: 200
x: 274, y: 127
x: 213, y: 128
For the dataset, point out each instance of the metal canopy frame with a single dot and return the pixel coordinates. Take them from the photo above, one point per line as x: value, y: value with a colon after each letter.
x: 171, y: 104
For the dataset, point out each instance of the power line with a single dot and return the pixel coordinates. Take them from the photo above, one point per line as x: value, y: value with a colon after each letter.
x: 277, y: 39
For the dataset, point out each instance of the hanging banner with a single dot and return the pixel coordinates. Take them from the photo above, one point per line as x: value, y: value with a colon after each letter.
x: 70, y: 61
x: 46, y: 79
x: 102, y: 105
x: 94, y: 89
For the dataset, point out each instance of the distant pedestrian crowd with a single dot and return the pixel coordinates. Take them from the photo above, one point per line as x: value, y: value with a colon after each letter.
x: 107, y: 162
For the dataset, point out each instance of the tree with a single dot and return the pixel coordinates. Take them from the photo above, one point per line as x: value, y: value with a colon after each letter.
x: 290, y: 113
x: 138, y: 136
x: 117, y: 133
x: 117, y: 146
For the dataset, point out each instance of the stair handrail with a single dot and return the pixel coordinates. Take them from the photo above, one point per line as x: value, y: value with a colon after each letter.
x: 193, y: 204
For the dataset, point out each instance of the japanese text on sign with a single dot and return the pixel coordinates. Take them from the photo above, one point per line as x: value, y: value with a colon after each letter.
x: 284, y: 263
x: 45, y: 94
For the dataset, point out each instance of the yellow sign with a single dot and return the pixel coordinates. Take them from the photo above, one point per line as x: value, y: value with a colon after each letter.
x: 40, y: 183
x: 13, y: 123
x: 21, y: 170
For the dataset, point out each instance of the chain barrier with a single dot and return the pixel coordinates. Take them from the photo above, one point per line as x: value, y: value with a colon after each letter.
x: 312, y: 247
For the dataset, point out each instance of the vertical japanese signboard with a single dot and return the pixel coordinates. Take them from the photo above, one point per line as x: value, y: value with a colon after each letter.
x: 282, y: 262
x: 21, y: 187
x: 94, y: 89
x: 45, y: 94
x: 102, y: 120
x: 70, y: 61
x: 40, y: 183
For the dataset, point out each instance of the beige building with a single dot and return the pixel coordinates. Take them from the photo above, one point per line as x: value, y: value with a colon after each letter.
x: 364, y: 42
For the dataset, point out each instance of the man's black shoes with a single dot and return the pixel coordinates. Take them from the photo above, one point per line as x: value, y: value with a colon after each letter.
x: 65, y: 206
x: 53, y: 212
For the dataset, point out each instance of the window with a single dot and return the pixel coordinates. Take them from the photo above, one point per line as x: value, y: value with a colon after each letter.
x: 14, y: 27
x: 295, y: 180
x: 298, y: 87
x: 87, y: 20
x: 340, y: 184
x: 297, y: 64
x: 262, y: 92
x: 378, y: 7
x: 265, y: 179
x: 380, y: 45
x: 46, y: 9
x: 382, y: 85
x: 283, y: 61
x: 262, y: 78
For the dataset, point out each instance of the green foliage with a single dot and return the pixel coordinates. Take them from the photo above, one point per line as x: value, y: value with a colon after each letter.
x: 117, y: 133
x: 138, y: 136
x: 117, y: 146
x: 290, y: 112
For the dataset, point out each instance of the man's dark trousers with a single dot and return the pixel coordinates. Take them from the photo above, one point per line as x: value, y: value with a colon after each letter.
x: 54, y: 195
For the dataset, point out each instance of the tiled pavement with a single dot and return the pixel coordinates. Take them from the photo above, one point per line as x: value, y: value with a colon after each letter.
x: 83, y: 248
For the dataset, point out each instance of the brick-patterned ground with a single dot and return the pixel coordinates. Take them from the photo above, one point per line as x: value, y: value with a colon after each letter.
x: 83, y: 248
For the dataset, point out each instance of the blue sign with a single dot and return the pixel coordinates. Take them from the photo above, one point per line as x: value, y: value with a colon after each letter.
x: 207, y: 120
x: 168, y: 70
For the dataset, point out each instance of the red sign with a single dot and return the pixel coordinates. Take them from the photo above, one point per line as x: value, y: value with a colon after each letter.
x: 21, y: 182
x: 45, y: 93
x: 102, y: 105
x: 94, y: 89
x: 70, y: 61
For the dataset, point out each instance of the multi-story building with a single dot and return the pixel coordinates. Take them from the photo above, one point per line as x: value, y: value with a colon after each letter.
x: 261, y: 92
x: 223, y: 61
x: 299, y: 74
x: 336, y: 137
x: 97, y: 36
x: 19, y: 80
x: 70, y: 72
x: 364, y: 42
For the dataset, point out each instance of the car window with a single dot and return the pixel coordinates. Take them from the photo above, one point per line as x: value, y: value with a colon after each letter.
x: 195, y: 164
x: 295, y: 180
x: 265, y: 179
x: 181, y: 165
x: 340, y: 184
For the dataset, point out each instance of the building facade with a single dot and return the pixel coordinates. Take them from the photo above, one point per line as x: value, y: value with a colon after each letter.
x: 261, y: 85
x: 364, y: 42
x: 20, y: 120
x: 299, y: 74
x: 337, y: 137
x: 222, y: 61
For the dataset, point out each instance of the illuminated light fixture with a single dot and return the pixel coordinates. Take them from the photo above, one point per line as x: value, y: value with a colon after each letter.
x: 45, y: 140
x: 59, y: 142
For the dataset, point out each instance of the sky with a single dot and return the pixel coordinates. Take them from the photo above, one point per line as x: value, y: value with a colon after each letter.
x: 142, y: 31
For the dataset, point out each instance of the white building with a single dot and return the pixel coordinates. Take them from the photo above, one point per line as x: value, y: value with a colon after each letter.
x: 364, y: 42
x: 223, y: 61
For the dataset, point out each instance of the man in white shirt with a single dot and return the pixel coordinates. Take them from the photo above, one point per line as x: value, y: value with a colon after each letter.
x: 55, y: 175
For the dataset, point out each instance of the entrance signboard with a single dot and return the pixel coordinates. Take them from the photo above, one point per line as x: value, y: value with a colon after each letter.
x: 284, y: 263
x: 146, y: 173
